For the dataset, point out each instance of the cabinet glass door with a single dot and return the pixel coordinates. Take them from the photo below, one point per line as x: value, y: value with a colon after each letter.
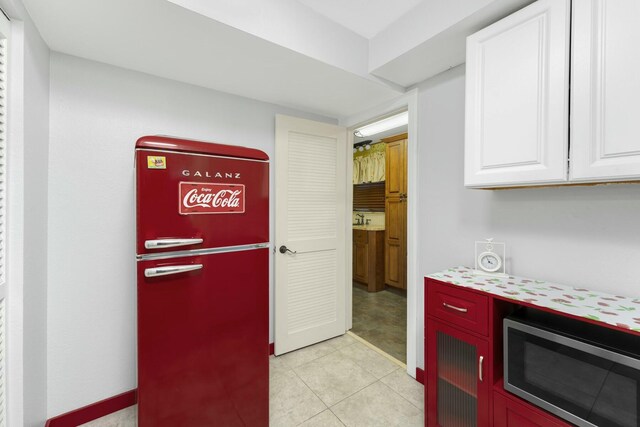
x: 457, y: 378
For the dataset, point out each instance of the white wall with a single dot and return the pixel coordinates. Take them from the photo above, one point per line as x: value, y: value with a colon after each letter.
x: 28, y: 137
x: 582, y: 236
x: 96, y: 114
x: 36, y: 155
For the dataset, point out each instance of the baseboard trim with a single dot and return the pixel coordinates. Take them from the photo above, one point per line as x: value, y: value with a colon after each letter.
x: 95, y: 410
x: 420, y: 375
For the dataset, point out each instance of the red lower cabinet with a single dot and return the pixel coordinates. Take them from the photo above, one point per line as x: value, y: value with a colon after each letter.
x: 464, y: 361
x: 508, y: 412
x: 463, y: 346
x: 458, y: 380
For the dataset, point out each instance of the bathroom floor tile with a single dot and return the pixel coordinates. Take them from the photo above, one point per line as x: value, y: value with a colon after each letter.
x: 381, y: 319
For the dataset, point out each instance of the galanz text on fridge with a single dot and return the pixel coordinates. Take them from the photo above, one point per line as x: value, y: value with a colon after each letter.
x: 208, y: 174
x: 207, y: 198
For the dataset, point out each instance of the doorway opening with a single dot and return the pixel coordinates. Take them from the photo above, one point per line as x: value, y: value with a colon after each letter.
x: 379, y: 253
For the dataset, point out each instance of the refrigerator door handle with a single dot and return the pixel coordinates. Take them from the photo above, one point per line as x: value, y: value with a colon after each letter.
x: 170, y: 243
x: 173, y: 269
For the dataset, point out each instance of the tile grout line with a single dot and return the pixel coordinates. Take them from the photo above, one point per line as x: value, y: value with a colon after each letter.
x: 369, y: 385
x: 314, y: 393
x: 310, y: 389
x: 364, y: 366
x: 412, y: 404
x: 307, y: 386
x: 337, y: 417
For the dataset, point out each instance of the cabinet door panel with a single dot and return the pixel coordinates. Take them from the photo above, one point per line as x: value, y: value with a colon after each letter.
x: 361, y: 262
x: 458, y: 378
x: 511, y: 412
x: 396, y: 175
x: 605, y: 90
x: 395, y: 252
x: 395, y: 242
x: 517, y: 98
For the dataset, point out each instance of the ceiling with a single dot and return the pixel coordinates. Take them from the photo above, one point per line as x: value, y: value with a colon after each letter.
x: 364, y: 17
x: 377, y: 137
x: 336, y: 58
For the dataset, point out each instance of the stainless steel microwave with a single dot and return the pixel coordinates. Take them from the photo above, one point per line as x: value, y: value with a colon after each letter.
x: 586, y: 374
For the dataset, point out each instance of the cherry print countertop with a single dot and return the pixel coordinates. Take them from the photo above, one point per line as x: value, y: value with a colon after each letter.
x: 618, y: 311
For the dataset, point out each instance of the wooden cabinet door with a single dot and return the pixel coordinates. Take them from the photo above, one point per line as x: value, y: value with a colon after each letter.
x: 395, y: 253
x: 395, y: 258
x: 396, y: 168
x: 517, y: 98
x: 458, y: 379
x: 605, y: 90
x: 361, y: 255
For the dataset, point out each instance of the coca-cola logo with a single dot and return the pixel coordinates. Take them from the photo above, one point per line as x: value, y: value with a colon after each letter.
x: 207, y: 198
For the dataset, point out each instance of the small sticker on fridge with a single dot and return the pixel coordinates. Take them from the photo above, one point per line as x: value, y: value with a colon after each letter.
x: 156, y: 162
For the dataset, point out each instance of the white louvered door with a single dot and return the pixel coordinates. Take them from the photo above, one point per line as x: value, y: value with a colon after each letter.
x: 4, y: 41
x: 310, y: 193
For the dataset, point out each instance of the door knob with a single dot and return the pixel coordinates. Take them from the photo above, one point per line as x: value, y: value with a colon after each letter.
x: 283, y: 250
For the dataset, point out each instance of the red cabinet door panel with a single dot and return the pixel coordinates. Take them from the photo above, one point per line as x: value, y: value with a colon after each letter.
x: 458, y: 377
x: 509, y: 412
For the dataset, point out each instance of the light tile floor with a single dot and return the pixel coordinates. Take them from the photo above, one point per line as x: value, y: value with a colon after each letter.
x: 339, y: 382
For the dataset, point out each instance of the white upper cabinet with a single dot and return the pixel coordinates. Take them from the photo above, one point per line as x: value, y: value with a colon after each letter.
x: 517, y: 116
x: 517, y: 98
x: 605, y: 90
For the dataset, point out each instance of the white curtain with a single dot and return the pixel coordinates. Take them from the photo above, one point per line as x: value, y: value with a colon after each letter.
x: 369, y: 168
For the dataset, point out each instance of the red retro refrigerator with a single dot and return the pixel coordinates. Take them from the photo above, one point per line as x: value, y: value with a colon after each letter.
x: 203, y: 283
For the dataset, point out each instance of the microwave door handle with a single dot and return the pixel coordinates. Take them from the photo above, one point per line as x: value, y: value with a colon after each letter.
x: 170, y: 243
x: 480, y: 360
x: 173, y: 269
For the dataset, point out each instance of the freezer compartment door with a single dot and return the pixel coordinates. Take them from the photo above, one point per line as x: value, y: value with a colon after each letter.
x: 194, y: 201
x: 203, y: 340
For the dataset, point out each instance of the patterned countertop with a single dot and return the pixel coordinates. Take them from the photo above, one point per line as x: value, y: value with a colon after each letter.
x: 619, y: 311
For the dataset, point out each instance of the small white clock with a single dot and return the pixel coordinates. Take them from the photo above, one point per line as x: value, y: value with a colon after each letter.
x: 488, y: 260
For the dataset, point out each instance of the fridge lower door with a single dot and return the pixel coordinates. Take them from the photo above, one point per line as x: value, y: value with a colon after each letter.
x: 203, y: 351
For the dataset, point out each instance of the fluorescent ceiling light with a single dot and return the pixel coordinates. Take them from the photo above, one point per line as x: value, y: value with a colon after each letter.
x: 383, y: 125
